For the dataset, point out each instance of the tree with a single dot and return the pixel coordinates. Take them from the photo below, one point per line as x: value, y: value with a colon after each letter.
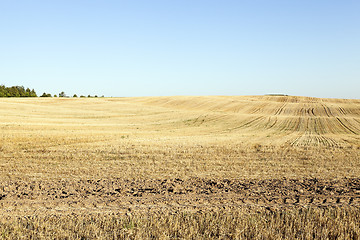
x: 46, y: 95
x: 33, y: 93
x: 13, y: 92
x: 27, y: 92
x: 20, y: 91
x: 2, y: 91
x: 16, y: 91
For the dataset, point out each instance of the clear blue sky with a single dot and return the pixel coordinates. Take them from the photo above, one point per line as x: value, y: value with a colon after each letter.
x: 182, y: 47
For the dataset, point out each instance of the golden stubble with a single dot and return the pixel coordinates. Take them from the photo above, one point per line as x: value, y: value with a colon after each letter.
x: 168, y: 137
x: 63, y: 164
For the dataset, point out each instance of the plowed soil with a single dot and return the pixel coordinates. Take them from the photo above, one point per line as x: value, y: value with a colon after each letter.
x: 193, y: 194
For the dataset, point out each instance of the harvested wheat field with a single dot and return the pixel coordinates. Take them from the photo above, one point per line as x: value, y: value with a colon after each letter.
x: 218, y: 167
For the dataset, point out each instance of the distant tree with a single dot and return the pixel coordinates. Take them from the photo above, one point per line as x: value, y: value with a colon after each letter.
x: 46, y: 95
x: 17, y: 91
x: 102, y: 95
x: 33, y: 93
x: 27, y: 92
x: 21, y: 91
x: 13, y: 92
x: 82, y: 96
x: 2, y: 91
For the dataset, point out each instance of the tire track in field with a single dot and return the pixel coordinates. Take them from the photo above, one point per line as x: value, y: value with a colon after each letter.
x: 346, y: 127
x: 308, y: 121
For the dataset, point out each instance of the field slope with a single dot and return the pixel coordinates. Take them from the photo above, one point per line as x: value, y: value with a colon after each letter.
x: 79, y: 157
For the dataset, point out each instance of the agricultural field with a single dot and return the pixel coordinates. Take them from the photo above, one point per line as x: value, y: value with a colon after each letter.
x: 241, y: 167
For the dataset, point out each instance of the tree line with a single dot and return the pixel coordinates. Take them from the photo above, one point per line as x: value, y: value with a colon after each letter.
x: 16, y: 91
x: 20, y: 91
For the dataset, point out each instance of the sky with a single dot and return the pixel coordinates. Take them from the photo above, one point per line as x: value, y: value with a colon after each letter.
x: 182, y: 47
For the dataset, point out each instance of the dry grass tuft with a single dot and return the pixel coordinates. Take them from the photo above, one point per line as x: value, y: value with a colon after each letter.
x: 298, y: 223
